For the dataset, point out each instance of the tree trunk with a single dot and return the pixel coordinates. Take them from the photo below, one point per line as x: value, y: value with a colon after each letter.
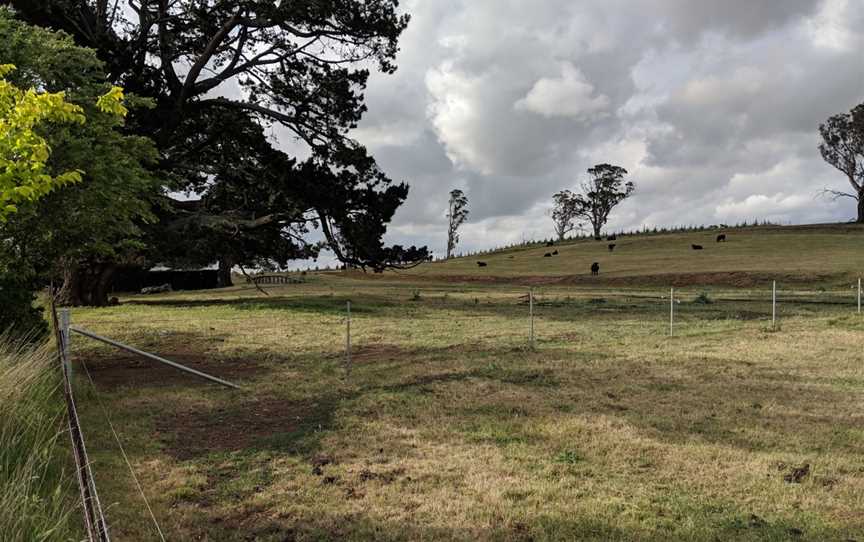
x: 87, y: 285
x: 223, y: 279
x: 597, y: 232
x: 70, y: 292
x: 101, y: 285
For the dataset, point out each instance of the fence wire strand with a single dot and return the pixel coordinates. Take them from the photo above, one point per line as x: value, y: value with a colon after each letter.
x: 122, y: 450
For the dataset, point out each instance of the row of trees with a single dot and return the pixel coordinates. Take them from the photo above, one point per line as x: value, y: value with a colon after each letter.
x: 605, y: 188
x: 246, y: 202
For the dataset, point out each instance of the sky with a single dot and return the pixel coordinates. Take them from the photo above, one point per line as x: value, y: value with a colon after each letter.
x: 712, y: 107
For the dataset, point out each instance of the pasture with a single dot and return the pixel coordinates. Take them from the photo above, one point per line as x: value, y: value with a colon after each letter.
x: 449, y: 426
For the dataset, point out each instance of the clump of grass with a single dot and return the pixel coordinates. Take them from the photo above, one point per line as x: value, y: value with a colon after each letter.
x: 36, y: 493
x: 569, y: 457
x: 703, y: 299
x: 415, y: 295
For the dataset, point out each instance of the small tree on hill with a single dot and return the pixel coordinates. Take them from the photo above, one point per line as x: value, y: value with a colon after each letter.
x: 843, y: 147
x: 457, y: 214
x: 601, y: 193
x: 564, y: 213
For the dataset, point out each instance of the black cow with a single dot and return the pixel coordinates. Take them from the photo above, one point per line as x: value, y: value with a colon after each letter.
x: 612, y: 237
x: 555, y: 252
x: 595, y: 268
x: 721, y: 238
x: 550, y: 243
x: 696, y: 247
x: 482, y: 264
x: 547, y: 255
x: 611, y: 247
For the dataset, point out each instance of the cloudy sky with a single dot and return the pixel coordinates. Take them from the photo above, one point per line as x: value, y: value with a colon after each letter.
x: 712, y: 106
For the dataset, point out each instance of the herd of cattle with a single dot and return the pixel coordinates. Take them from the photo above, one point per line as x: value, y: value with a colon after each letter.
x: 595, y: 267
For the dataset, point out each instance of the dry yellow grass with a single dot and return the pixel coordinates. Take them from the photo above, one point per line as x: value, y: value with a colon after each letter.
x: 450, y: 427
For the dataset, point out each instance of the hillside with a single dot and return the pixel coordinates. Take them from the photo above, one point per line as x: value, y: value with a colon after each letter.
x: 810, y: 254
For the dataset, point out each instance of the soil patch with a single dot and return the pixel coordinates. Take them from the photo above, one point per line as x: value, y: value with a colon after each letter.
x: 128, y: 370
x: 371, y: 353
x: 190, y: 433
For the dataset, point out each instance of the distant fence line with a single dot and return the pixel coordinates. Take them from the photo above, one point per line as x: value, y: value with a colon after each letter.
x: 274, y: 279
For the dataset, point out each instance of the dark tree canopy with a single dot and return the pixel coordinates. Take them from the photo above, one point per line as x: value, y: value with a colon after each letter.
x: 843, y: 147
x: 218, y: 73
x: 605, y: 189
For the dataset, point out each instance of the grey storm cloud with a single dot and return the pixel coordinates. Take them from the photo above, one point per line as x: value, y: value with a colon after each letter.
x: 713, y: 107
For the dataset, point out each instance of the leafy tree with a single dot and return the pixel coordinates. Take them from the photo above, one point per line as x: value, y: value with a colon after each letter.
x: 302, y: 65
x: 81, y: 232
x: 843, y: 147
x: 564, y: 213
x: 601, y: 193
x: 457, y: 214
x: 23, y: 152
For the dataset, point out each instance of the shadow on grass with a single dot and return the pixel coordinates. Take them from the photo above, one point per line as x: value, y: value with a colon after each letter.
x: 321, y: 304
x: 699, y: 522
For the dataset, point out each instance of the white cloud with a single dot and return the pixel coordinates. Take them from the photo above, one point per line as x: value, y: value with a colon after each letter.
x: 454, y: 113
x: 570, y: 95
x: 774, y: 207
x: 832, y: 27
x: 713, y: 107
x: 744, y: 82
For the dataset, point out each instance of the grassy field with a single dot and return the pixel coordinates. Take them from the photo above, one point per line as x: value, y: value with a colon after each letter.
x: 450, y: 426
x: 811, y: 255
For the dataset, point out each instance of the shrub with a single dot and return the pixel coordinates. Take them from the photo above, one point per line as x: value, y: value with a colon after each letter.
x: 703, y: 299
x: 19, y: 317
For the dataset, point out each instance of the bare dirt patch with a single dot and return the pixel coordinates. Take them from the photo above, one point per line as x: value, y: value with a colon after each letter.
x: 191, y: 432
x: 128, y: 370
x: 372, y: 353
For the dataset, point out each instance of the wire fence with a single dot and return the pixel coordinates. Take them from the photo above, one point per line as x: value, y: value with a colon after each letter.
x: 346, y: 331
x: 508, y: 318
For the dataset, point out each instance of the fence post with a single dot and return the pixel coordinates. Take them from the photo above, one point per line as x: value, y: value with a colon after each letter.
x: 531, y: 317
x: 774, y: 305
x: 348, y: 339
x: 671, y: 309
x: 859, y: 295
x: 65, y: 336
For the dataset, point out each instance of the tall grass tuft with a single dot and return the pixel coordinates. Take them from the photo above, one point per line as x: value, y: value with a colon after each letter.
x: 37, y: 488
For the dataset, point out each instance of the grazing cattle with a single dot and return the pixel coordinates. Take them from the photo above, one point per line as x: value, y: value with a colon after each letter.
x: 611, y: 247
x: 721, y: 238
x: 612, y: 237
x: 547, y: 255
x: 595, y: 268
x: 555, y: 252
x: 696, y: 247
x: 482, y: 264
x: 550, y: 243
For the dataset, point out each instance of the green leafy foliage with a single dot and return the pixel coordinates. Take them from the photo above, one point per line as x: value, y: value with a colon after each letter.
x: 78, y: 231
x: 23, y: 152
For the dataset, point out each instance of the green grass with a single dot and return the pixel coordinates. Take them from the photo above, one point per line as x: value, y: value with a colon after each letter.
x: 450, y: 426
x: 813, y: 254
x: 37, y: 491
